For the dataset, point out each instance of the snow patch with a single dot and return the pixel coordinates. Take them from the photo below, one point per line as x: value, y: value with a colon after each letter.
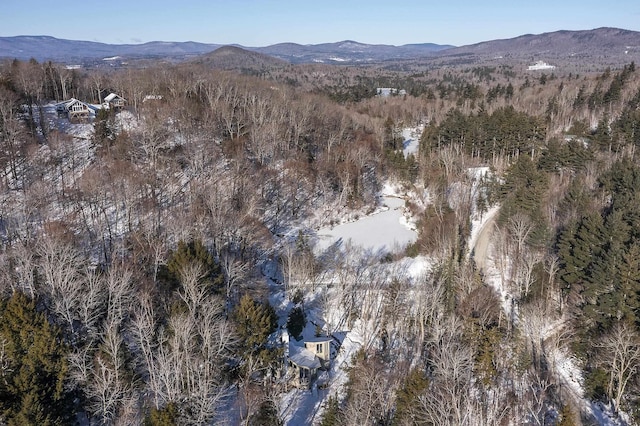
x: 411, y: 140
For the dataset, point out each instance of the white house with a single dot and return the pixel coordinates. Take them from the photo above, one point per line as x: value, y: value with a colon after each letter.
x: 115, y: 101
x: 149, y: 98
x: 304, y: 363
x: 540, y: 65
x: 76, y: 109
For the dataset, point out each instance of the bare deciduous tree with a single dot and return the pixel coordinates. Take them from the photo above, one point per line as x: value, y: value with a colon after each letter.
x: 620, y: 356
x: 108, y: 387
x: 60, y: 263
x: 447, y: 401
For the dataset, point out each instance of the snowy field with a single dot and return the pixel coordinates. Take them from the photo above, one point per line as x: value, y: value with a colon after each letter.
x: 382, y: 232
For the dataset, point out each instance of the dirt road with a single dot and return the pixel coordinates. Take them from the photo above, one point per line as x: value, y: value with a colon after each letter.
x: 481, y: 247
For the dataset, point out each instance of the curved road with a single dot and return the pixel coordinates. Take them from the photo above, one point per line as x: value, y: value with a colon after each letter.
x: 481, y: 246
x: 480, y: 256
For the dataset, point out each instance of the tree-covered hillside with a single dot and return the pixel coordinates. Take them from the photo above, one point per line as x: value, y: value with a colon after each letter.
x: 159, y: 265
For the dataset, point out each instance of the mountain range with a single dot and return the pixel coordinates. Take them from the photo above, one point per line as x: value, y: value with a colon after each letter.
x: 617, y: 44
x: 44, y: 48
x: 600, y: 41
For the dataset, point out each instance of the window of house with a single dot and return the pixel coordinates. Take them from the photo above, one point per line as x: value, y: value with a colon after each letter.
x: 319, y: 348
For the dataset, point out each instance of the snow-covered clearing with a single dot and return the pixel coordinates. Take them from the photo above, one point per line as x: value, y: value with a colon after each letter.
x: 384, y: 231
x: 389, y: 229
x: 411, y: 140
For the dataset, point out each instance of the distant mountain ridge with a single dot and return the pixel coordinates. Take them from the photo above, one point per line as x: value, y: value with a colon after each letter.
x: 599, y: 42
x: 55, y: 49
x: 349, y: 51
x: 618, y: 45
x: 50, y: 48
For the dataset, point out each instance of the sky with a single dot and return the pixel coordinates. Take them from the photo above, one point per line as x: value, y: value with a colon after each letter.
x: 256, y: 23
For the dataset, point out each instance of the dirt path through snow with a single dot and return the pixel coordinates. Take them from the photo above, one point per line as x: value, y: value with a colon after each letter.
x: 481, y: 247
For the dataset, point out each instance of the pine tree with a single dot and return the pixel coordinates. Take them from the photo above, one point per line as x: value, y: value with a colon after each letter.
x: 32, y: 383
x: 570, y: 271
x: 267, y: 415
x: 331, y: 416
x: 254, y: 322
x: 193, y: 252
x: 296, y: 322
x: 588, y: 246
x: 167, y: 416
x: 629, y: 279
x: 407, y: 396
x: 566, y: 417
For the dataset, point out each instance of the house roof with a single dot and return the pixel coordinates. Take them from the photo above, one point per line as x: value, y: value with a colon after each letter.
x: 76, y: 101
x: 112, y: 96
x: 303, y: 357
x: 71, y: 102
x: 320, y: 339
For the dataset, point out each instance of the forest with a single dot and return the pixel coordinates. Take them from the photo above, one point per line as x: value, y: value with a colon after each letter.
x: 156, y: 260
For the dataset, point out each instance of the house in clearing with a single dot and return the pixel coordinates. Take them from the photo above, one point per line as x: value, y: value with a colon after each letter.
x: 76, y: 109
x: 115, y: 101
x: 306, y: 362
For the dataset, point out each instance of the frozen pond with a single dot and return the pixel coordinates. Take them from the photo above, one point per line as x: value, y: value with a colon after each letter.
x: 381, y: 232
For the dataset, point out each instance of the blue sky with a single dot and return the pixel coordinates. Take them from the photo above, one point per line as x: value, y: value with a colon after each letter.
x: 265, y: 22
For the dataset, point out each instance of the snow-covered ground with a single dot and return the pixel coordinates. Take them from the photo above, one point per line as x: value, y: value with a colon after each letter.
x: 570, y: 374
x: 565, y: 365
x: 384, y: 231
x: 411, y: 140
x: 388, y: 229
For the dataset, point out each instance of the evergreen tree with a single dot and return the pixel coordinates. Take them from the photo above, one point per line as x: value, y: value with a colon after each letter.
x: 296, y: 322
x: 192, y: 252
x: 254, y: 322
x: 566, y: 417
x: 628, y: 276
x: 509, y: 91
x: 331, y: 416
x: 522, y: 193
x: 588, y: 246
x: 414, y: 385
x: 570, y: 271
x: 103, y: 126
x: 167, y: 416
x: 581, y: 98
x: 267, y: 415
x: 34, y: 370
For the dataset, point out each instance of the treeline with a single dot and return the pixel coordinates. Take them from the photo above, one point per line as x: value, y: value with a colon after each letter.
x: 503, y: 133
